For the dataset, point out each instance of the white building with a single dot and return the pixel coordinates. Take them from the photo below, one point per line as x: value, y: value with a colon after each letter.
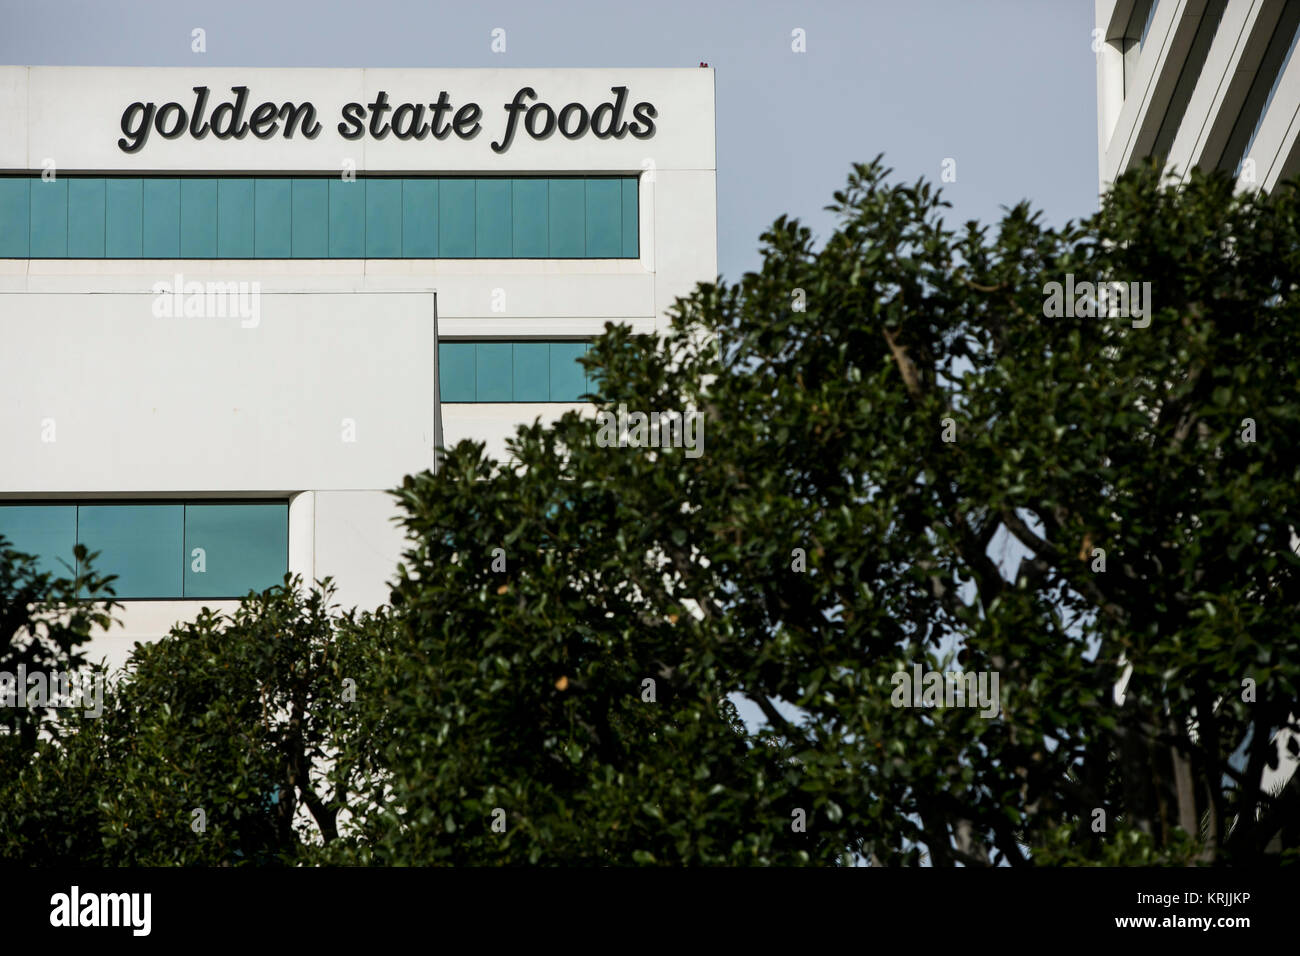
x: 1210, y: 84
x: 227, y: 294
x: 1207, y: 84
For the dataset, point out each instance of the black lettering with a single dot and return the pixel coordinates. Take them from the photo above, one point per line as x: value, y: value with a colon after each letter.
x: 540, y: 109
x: 197, y: 130
x: 233, y: 114
x: 378, y: 128
x: 413, y: 116
x: 438, y: 123
x: 263, y: 115
x: 160, y: 120
x: 306, y: 113
x: 582, y: 121
x: 612, y: 116
x: 353, y: 116
x: 645, y: 112
x: 467, y: 119
x: 513, y: 109
x: 135, y: 135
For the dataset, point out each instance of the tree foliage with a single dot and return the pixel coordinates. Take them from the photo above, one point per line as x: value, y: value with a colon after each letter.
x: 1074, y: 438
x: 235, y: 739
x: 909, y: 458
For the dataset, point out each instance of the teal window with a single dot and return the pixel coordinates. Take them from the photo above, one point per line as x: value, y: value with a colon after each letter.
x: 318, y: 217
x: 159, y: 550
x: 86, y: 218
x: 161, y: 218
x: 311, y: 219
x: 198, y: 218
x: 456, y: 219
x: 506, y: 371
x: 604, y: 218
x: 493, y: 228
x: 631, y: 222
x: 383, y: 218
x: 347, y: 198
x: 532, y: 372
x: 273, y: 219
x: 568, y: 379
x: 568, y: 218
x: 49, y: 218
x: 141, y: 544
x: 456, y: 378
x: 123, y: 218
x: 47, y: 532
x: 420, y: 218
x: 15, y: 216
x: 232, y: 548
x: 530, y: 200
x: 494, y: 372
x: 236, y: 211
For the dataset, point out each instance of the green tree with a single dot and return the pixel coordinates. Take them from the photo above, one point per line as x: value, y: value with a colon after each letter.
x: 914, y: 453
x: 235, y: 739
x: 45, y: 619
x: 908, y: 454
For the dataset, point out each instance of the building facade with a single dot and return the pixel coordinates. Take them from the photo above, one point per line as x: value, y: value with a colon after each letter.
x: 239, y: 305
x: 1209, y: 84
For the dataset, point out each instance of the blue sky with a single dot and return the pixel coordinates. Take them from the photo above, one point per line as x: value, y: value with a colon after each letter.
x: 1006, y: 88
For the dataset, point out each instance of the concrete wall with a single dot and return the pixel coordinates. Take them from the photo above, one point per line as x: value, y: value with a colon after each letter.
x: 144, y: 404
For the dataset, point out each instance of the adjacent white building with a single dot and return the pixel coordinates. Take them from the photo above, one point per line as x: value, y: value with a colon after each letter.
x: 1210, y: 84
x: 239, y: 305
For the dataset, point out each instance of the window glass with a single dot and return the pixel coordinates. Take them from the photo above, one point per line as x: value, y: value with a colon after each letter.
x: 631, y: 239
x: 492, y: 226
x: 503, y: 371
x: 532, y: 371
x: 162, y: 219
x: 568, y: 378
x: 420, y: 218
x: 604, y: 219
x: 568, y: 214
x: 49, y: 218
x: 456, y: 362
x: 531, y: 198
x: 347, y: 218
x: 15, y: 208
x: 124, y: 218
x: 232, y: 548
x: 160, y: 550
x: 383, y: 218
x: 48, y: 532
x: 235, y: 217
x: 198, y: 218
x: 141, y: 544
x: 273, y: 219
x: 311, y: 219
x: 456, y: 219
x: 86, y: 218
x: 493, y: 372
